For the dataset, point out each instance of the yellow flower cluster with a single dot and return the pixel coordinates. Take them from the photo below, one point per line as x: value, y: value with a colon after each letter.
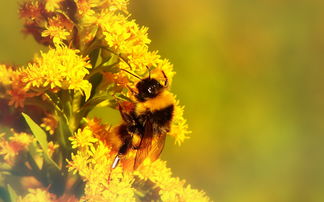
x: 179, y: 128
x: 37, y: 195
x: 171, y: 189
x: 130, y: 42
x: 12, y: 146
x: 49, y: 123
x: 58, y: 69
x: 92, y: 161
x: 42, y: 195
x: 61, y: 67
x: 6, y: 73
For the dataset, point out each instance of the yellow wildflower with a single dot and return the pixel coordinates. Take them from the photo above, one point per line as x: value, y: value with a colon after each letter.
x: 31, y: 11
x: 21, y: 140
x: 43, y: 195
x: 60, y: 67
x: 126, y: 38
x: 37, y: 195
x: 83, y: 139
x: 79, y: 163
x: 10, y: 148
x: 104, y: 184
x: 165, y: 66
x: 52, y: 5
x: 99, y: 130
x: 171, y: 189
x: 57, y: 34
x: 84, y: 6
x: 8, y: 152
x: 92, y: 163
x: 51, y: 147
x: 111, y: 5
x: 6, y: 74
x: 49, y: 123
x: 179, y: 127
x: 14, y: 86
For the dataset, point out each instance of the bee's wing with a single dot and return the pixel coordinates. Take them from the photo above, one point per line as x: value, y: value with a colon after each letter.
x: 157, y: 146
x: 151, y: 145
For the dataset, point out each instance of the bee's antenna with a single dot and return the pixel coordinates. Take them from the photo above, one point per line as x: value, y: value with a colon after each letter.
x: 149, y: 70
x: 131, y: 73
x: 166, y: 82
x: 118, y: 55
x: 131, y: 90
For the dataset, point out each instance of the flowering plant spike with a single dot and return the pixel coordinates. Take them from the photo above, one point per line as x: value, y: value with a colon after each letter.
x: 50, y: 149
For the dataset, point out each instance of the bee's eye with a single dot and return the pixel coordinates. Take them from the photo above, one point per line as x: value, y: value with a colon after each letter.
x: 150, y: 90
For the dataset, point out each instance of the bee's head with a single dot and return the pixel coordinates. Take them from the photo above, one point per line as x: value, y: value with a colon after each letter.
x: 148, y: 88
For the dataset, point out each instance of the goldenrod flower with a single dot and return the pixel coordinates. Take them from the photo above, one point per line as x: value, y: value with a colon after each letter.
x: 92, y: 161
x: 61, y: 67
x: 6, y: 74
x: 16, y: 143
x: 31, y: 11
x: 37, y: 195
x: 57, y: 34
x: 99, y: 130
x: 49, y: 123
x: 52, y: 5
x: 179, y: 127
x: 170, y: 188
x: 21, y: 140
x: 83, y: 139
x: 52, y: 147
x: 43, y: 195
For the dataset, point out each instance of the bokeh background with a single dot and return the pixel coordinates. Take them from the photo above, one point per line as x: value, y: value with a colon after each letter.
x: 251, y: 76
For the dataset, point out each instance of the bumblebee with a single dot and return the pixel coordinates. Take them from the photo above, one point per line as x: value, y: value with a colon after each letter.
x: 145, y: 126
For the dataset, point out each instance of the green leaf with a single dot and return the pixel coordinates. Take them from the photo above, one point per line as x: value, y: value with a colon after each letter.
x: 64, y: 132
x: 12, y: 193
x: 99, y: 58
x: 4, y: 194
x: 37, y: 131
x: 94, y: 57
x: 94, y: 101
x: 41, y: 138
x: 34, y: 154
x: 87, y: 92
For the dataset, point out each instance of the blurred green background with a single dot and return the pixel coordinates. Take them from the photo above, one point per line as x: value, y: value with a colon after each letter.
x: 251, y: 76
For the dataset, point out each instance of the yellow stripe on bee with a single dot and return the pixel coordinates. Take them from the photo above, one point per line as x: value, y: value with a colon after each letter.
x: 161, y: 101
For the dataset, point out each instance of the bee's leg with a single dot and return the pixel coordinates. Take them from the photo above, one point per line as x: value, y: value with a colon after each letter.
x: 136, y: 141
x: 136, y: 147
x: 131, y: 90
x: 116, y: 161
x: 128, y: 118
x: 122, y: 151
